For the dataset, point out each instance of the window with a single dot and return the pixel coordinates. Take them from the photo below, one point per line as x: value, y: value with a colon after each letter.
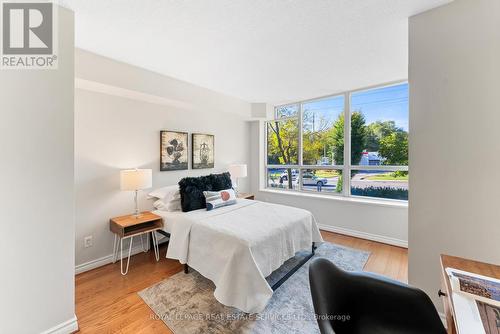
x: 322, y: 123
x: 308, y: 142
x: 281, y: 178
x: 287, y: 111
x: 322, y: 180
x: 282, y: 142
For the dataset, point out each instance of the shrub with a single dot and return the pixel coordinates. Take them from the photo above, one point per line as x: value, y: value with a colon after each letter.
x: 383, y: 192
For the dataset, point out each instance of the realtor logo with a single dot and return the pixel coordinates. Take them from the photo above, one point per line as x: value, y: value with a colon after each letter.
x: 28, y: 35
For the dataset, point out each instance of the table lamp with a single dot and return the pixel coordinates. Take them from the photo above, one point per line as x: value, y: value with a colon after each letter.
x: 237, y: 171
x: 135, y: 180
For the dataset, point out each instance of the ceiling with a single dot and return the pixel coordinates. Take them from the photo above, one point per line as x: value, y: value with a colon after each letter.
x: 258, y: 50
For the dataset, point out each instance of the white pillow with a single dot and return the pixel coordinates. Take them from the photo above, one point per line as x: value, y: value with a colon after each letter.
x: 173, y: 205
x: 166, y: 194
x: 169, y: 198
x: 159, y: 205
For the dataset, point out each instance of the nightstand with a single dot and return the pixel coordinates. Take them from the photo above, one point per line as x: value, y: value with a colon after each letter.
x: 129, y: 226
x: 246, y: 196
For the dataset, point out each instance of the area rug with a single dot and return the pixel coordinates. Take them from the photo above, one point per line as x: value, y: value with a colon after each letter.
x: 186, y: 304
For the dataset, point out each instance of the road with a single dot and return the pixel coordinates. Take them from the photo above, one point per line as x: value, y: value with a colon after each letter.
x: 358, y: 181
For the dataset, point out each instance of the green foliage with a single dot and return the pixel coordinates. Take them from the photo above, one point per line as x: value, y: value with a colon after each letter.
x: 376, y: 131
x: 400, y: 174
x: 340, y: 184
x: 316, y: 137
x: 282, y: 142
x: 336, y: 140
x: 314, y: 144
x: 381, y: 192
x: 358, y: 136
x: 322, y: 138
x: 394, y: 148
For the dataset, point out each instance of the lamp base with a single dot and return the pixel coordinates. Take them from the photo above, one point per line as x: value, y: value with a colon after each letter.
x: 137, y: 214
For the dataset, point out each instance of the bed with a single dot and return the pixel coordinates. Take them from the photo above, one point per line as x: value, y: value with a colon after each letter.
x: 238, y: 246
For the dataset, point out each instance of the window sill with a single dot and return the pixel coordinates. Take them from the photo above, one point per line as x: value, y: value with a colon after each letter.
x: 369, y: 201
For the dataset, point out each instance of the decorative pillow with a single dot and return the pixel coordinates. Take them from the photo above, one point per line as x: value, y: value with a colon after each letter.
x: 192, y: 188
x: 217, y: 199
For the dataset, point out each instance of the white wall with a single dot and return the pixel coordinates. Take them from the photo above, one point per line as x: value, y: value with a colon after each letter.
x: 385, y: 223
x: 454, y: 138
x: 117, y: 126
x: 37, y: 193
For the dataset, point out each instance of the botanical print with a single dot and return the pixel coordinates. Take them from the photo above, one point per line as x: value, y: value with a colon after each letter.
x: 173, y: 150
x: 203, y: 151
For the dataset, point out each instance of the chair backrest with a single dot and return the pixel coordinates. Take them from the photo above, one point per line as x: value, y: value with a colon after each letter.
x: 373, y: 303
x: 326, y: 281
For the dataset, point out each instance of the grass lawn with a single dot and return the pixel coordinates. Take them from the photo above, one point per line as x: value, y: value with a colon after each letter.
x: 387, y: 177
x: 327, y: 173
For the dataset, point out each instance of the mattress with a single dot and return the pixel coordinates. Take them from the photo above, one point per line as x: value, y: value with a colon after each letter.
x: 237, y: 246
x: 169, y: 218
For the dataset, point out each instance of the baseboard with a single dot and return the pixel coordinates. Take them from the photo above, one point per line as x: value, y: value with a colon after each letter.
x: 67, y: 327
x: 104, y: 260
x: 365, y: 235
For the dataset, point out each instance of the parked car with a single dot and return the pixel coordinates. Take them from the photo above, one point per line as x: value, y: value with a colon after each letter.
x: 309, y: 179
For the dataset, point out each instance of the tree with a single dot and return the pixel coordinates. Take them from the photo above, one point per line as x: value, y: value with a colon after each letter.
x: 394, y: 148
x: 316, y: 126
x: 378, y: 130
x: 358, y: 138
x: 314, y: 145
x: 283, y: 144
x: 337, y: 140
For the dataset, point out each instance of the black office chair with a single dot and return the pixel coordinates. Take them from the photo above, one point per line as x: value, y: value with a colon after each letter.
x: 374, y: 304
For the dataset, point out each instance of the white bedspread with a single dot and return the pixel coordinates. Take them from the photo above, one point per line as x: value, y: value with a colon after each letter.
x: 237, y: 246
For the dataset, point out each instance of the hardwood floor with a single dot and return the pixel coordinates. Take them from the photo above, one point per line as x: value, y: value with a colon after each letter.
x: 107, y: 302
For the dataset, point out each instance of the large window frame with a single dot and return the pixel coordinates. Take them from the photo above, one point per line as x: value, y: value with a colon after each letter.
x: 347, y: 167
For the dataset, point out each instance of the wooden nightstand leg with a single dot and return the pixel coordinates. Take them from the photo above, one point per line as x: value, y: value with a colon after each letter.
x: 121, y: 255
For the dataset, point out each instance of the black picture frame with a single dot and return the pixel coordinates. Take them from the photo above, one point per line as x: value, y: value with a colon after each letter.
x: 174, y: 150
x: 202, y: 151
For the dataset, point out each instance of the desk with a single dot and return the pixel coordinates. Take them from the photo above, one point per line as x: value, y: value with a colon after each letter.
x: 475, y: 267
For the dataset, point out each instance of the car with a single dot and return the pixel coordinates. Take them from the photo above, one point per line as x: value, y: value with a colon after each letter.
x: 309, y: 179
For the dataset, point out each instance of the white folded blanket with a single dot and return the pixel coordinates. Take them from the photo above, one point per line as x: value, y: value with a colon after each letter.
x: 238, y: 246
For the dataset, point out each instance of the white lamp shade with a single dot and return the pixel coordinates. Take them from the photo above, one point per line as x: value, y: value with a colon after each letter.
x: 238, y: 170
x: 136, y: 179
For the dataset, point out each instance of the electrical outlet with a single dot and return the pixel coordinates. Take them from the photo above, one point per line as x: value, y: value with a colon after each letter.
x: 87, y: 241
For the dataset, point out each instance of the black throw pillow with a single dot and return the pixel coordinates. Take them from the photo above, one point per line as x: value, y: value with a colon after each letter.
x: 192, y: 188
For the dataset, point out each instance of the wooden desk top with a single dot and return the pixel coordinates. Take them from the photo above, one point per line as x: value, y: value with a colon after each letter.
x: 471, y: 266
x: 130, y: 225
x: 475, y: 267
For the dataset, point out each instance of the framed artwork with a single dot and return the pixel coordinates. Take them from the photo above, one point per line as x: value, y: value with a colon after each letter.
x: 173, y: 150
x: 203, y: 151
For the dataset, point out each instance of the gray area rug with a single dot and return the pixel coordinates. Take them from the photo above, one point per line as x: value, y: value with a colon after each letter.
x: 186, y: 304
